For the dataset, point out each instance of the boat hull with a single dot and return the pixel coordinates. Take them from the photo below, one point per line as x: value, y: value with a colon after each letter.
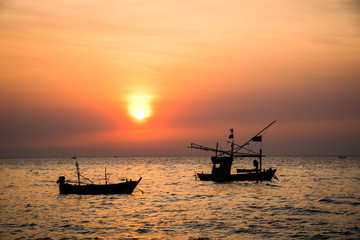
x: 94, y: 189
x: 266, y: 175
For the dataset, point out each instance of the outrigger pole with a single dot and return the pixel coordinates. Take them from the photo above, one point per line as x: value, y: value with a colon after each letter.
x: 260, y: 152
x: 241, y: 146
x: 233, y: 151
x: 197, y: 146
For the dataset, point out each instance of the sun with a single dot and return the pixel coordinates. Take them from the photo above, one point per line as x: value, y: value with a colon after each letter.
x: 139, y: 106
x: 140, y: 115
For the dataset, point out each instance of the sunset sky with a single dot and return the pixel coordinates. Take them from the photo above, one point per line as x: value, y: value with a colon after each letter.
x: 75, y: 76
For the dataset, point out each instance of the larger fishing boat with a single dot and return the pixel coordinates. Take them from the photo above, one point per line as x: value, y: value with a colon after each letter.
x: 223, y: 160
x: 126, y: 187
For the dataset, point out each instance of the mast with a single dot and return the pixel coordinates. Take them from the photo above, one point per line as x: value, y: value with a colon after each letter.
x: 106, y: 182
x: 232, y: 144
x: 217, y: 147
x: 260, y: 159
x: 231, y: 136
x: 78, y: 171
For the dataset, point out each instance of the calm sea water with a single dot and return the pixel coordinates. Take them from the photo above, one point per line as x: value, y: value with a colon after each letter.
x: 315, y: 198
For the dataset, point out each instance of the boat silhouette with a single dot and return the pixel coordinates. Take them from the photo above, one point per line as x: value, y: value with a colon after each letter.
x: 223, y: 160
x: 126, y: 187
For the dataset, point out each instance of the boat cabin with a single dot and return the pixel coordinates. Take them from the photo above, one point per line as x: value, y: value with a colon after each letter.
x: 221, y: 165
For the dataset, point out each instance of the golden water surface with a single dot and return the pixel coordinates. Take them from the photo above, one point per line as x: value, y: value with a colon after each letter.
x: 315, y: 198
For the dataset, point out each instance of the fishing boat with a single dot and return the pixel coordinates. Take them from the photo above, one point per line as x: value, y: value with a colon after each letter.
x: 126, y: 187
x: 223, y: 160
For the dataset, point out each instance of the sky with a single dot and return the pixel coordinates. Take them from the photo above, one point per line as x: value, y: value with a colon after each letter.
x: 134, y: 77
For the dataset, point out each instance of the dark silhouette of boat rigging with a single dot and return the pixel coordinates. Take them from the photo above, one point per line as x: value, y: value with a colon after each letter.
x: 65, y: 187
x: 223, y: 160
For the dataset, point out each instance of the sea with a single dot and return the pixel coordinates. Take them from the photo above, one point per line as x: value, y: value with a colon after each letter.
x: 315, y: 197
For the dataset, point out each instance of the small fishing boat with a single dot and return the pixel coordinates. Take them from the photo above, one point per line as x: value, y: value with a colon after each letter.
x: 126, y: 187
x: 223, y: 160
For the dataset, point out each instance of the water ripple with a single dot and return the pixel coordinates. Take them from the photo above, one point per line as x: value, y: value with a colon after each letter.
x: 304, y: 204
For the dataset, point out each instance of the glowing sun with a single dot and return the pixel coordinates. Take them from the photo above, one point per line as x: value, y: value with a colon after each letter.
x: 140, y: 115
x: 139, y: 106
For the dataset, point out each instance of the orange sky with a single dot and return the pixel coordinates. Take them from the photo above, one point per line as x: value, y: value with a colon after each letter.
x: 72, y: 73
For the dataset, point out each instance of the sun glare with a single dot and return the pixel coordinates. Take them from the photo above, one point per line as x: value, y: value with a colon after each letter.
x: 139, y: 106
x: 140, y: 115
